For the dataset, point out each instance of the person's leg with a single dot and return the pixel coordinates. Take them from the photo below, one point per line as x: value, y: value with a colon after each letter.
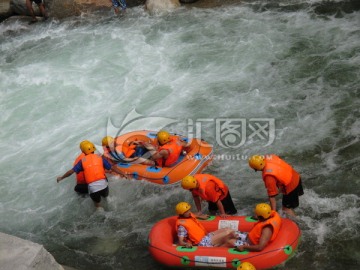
x: 228, y: 204
x: 96, y: 198
x: 224, y: 237
x: 116, y: 5
x: 81, y: 188
x: 31, y: 10
x: 289, y: 212
x: 43, y: 11
x: 212, y: 207
x: 105, y: 192
x: 291, y: 201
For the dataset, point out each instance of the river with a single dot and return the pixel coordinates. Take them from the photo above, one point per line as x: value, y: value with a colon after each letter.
x: 250, y: 78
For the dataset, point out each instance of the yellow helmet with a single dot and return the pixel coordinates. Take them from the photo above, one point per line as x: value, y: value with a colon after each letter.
x: 182, y: 207
x: 87, y: 147
x: 257, y: 162
x: 82, y: 143
x: 263, y: 210
x: 246, y: 266
x: 188, y: 182
x: 163, y: 137
x: 107, y: 141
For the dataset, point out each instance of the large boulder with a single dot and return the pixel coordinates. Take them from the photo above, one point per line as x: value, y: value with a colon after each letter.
x: 16, y: 253
x: 155, y: 6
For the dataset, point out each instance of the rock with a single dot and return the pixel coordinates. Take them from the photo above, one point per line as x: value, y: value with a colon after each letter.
x: 5, y: 11
x: 161, y: 5
x: 66, y: 8
x: 16, y: 253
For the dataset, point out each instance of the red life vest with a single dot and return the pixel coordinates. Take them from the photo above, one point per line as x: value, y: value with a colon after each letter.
x: 93, y: 168
x: 80, y: 177
x: 195, y: 230
x: 274, y: 221
x: 285, y: 175
x: 203, y: 180
x: 174, y: 149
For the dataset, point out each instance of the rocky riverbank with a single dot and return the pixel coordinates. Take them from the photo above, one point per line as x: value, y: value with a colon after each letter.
x: 66, y: 8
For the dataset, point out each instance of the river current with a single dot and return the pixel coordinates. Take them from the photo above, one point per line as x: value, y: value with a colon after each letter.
x: 248, y: 78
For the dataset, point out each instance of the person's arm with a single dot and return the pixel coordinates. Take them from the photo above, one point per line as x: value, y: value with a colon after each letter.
x: 185, y: 144
x: 197, y: 202
x: 272, y: 200
x: 264, y: 240
x: 67, y: 174
x: 114, y: 168
x: 272, y: 190
x: 183, y: 242
x: 161, y: 154
x: 221, y: 209
x: 182, y: 234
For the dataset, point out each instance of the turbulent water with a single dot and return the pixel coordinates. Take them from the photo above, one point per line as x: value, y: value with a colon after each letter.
x: 251, y: 78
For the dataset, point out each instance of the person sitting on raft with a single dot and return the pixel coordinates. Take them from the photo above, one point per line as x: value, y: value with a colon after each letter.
x: 168, y: 151
x: 111, y: 155
x: 191, y: 232
x: 263, y: 232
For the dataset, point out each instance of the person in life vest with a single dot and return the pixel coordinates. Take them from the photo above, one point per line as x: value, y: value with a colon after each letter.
x: 246, y: 266
x: 190, y: 232
x: 94, y: 168
x: 108, y: 146
x: 263, y: 232
x: 168, y: 151
x: 81, y: 185
x: 278, y: 175
x: 211, y: 189
x: 111, y: 155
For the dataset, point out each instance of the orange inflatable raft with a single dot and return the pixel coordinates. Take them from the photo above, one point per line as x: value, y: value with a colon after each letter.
x: 195, y: 158
x: 163, y: 249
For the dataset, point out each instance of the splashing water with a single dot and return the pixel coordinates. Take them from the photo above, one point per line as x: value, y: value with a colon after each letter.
x: 61, y: 82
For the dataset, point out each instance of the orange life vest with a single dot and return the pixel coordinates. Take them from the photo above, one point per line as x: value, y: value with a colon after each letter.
x: 174, y: 149
x: 203, y: 180
x: 274, y: 221
x: 195, y: 230
x: 285, y: 175
x: 126, y: 150
x: 80, y: 177
x: 93, y: 168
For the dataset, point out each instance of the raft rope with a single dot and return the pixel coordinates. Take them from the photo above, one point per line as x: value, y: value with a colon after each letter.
x: 243, y: 258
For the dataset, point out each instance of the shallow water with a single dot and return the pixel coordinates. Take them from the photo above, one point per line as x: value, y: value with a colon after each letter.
x: 290, y: 70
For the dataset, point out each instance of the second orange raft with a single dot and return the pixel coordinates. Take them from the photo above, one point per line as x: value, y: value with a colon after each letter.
x: 163, y: 248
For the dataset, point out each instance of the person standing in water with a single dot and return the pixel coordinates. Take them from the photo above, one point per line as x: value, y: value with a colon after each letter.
x: 31, y: 10
x: 279, y: 176
x: 211, y: 189
x: 117, y: 4
x: 94, y: 167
